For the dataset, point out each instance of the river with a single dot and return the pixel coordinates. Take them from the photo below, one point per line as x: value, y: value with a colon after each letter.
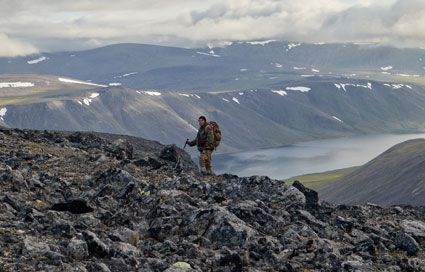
x: 308, y: 157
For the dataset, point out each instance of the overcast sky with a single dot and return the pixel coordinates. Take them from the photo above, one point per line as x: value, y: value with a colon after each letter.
x: 31, y: 26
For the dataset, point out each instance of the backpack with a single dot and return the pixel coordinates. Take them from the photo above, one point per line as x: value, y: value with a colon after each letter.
x: 217, y: 133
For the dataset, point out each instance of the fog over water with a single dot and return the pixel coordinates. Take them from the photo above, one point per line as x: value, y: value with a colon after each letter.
x: 308, y: 157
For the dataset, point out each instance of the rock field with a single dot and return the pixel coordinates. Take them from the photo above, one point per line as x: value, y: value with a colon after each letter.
x: 80, y: 201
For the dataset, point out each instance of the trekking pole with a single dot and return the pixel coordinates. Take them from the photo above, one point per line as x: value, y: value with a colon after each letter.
x: 177, y: 163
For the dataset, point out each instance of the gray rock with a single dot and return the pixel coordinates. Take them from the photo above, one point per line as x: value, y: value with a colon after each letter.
x: 32, y: 247
x: 406, y: 242
x: 95, y: 246
x: 125, y: 235
x: 414, y: 228
x: 77, y: 249
x: 98, y: 267
x: 356, y: 266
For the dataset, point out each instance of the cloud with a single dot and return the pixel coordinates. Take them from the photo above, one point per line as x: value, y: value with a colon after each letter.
x: 10, y: 47
x: 74, y: 25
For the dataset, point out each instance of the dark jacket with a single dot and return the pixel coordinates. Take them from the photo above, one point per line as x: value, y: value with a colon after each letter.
x: 204, y: 139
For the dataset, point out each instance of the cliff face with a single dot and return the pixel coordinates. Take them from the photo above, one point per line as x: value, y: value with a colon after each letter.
x: 98, y: 202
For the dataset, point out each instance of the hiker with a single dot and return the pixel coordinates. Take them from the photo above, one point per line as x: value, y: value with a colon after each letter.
x: 205, y: 143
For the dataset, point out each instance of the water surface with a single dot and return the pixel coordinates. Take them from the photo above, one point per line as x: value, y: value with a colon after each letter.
x: 308, y: 157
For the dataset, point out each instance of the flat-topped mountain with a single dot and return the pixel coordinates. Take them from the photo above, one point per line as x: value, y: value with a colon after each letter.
x: 237, y: 66
x: 78, y: 201
x: 397, y: 176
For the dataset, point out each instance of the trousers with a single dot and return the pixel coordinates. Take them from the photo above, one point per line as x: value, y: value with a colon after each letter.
x: 205, y: 160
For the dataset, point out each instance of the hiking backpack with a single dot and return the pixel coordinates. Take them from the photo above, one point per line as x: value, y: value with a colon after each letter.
x: 217, y: 133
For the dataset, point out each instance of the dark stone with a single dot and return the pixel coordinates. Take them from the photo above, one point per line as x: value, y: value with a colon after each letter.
x: 170, y: 153
x: 95, y: 246
x: 13, y: 203
x: 127, y: 190
x: 76, y: 206
x: 121, y: 149
x: 311, y: 196
x: 86, y: 139
x: 154, y: 163
x: 141, y: 162
x: 406, y: 242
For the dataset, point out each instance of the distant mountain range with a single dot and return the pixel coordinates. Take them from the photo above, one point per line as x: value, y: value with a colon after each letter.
x: 395, y: 177
x: 238, y: 66
x: 263, y: 94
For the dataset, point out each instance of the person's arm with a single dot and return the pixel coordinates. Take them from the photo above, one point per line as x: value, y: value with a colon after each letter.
x: 192, y: 143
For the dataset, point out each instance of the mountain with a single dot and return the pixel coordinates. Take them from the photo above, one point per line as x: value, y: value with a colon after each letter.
x: 76, y: 201
x: 395, y: 177
x: 253, y: 118
x: 237, y: 66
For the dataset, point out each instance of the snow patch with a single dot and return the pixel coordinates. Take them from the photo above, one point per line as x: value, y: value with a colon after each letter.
x: 241, y: 93
x: 397, y: 86
x: 292, y: 45
x: 301, y: 89
x: 208, y: 54
x: 152, y: 93
x: 66, y: 80
x: 386, y: 68
x: 2, y: 113
x: 406, y: 75
x: 243, y: 70
x: 126, y: 75
x: 225, y: 99
x: 299, y: 68
x: 182, y: 94
x: 130, y: 74
x: 385, y: 73
x: 197, y: 96
x: 236, y: 100
x: 16, y: 84
x: 280, y: 92
x: 342, y: 86
x: 278, y: 65
x: 260, y: 42
x: 307, y: 75
x: 115, y: 84
x: 336, y: 118
x: 37, y: 60
x: 315, y: 70
x: 89, y: 99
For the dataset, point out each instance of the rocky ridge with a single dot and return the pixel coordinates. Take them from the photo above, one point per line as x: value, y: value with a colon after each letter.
x: 73, y: 201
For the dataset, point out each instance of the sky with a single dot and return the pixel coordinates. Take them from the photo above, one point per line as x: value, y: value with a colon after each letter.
x: 35, y: 26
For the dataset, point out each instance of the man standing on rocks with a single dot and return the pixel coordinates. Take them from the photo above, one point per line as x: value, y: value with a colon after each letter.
x: 205, y: 143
